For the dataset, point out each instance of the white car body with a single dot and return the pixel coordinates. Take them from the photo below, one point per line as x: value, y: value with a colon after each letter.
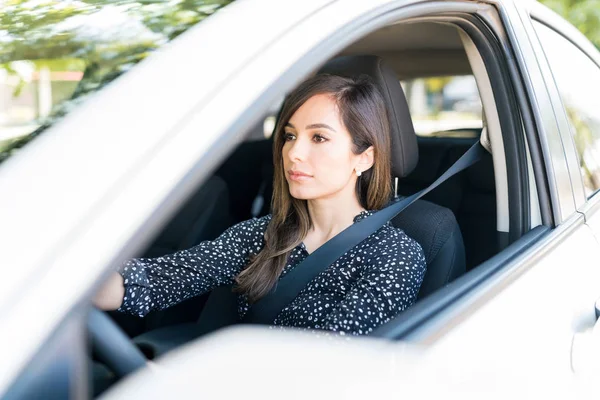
x: 84, y: 196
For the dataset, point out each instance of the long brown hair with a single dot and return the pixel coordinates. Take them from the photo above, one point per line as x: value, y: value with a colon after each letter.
x: 363, y: 113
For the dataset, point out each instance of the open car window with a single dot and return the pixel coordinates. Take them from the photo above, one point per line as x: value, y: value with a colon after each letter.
x: 55, y: 54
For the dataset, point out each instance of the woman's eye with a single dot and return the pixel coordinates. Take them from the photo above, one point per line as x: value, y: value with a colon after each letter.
x: 288, y: 136
x: 319, y: 139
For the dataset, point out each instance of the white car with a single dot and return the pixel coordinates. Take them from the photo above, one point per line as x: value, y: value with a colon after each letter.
x: 174, y: 150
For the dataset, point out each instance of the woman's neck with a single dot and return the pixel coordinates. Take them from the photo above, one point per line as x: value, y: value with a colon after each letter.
x: 331, y: 216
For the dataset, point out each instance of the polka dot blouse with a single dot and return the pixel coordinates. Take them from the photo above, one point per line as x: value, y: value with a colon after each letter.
x: 366, y: 287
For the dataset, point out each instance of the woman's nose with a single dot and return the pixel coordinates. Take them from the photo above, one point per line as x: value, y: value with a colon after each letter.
x: 298, y: 150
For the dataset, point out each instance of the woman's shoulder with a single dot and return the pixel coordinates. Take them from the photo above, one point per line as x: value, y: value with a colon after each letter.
x: 395, y: 245
x: 401, y: 237
x: 260, y: 221
x: 398, y: 235
x: 252, y: 225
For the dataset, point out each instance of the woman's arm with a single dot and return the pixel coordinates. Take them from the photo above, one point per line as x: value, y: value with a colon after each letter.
x: 145, y: 284
x: 382, y: 292
x: 110, y: 295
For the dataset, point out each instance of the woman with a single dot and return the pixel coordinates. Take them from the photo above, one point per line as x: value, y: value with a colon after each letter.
x: 332, y: 169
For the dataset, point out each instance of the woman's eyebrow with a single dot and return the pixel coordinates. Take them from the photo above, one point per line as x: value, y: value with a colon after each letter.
x: 313, y: 126
x: 323, y: 126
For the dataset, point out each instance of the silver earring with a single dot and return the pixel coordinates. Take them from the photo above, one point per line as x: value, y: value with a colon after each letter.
x: 358, y: 173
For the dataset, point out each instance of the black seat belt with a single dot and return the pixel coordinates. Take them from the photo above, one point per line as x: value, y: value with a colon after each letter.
x: 287, y: 289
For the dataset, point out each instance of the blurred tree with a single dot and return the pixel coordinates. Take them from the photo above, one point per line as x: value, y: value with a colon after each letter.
x: 583, y: 14
x: 108, y: 36
x: 57, y: 28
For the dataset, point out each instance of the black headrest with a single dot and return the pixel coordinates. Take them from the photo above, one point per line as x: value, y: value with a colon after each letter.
x: 405, y: 154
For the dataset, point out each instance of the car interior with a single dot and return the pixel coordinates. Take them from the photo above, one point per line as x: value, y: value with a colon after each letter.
x: 460, y: 224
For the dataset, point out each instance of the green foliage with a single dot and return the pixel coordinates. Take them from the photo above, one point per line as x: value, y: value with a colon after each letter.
x: 71, y: 35
x: 583, y: 14
x: 56, y: 28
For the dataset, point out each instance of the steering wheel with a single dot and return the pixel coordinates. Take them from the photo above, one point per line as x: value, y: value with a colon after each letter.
x: 112, y: 346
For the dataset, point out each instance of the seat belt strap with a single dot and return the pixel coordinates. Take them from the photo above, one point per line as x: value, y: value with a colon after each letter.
x: 265, y: 310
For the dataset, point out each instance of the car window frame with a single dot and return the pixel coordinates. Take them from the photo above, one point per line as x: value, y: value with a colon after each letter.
x: 499, y: 262
x: 438, y: 313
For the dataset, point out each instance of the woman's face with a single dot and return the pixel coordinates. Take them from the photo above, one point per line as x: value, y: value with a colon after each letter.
x: 317, y: 154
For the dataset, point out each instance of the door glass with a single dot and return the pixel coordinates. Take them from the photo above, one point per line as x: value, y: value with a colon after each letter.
x: 578, y: 80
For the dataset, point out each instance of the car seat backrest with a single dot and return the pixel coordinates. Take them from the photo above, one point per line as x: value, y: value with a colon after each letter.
x: 245, y: 174
x: 204, y: 216
x: 443, y: 245
x: 470, y: 195
x: 477, y: 214
x: 434, y: 159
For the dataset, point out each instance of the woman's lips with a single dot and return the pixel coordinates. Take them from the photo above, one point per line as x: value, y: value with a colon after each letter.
x: 299, y: 176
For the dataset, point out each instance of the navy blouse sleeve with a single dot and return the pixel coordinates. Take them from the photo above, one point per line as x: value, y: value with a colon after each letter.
x: 388, y: 286
x: 158, y: 283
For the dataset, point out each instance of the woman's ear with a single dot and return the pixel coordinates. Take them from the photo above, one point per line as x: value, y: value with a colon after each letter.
x: 366, y: 159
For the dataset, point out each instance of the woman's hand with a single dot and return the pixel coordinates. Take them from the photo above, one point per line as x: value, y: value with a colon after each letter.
x: 110, y: 295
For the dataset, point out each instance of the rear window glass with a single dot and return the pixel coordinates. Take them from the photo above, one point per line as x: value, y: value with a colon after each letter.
x: 55, y: 53
x: 444, y: 106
